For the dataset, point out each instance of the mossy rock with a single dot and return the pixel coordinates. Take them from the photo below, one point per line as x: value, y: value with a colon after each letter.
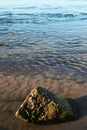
x: 42, y: 106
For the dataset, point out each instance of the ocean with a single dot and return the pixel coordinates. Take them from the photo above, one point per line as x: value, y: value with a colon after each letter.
x: 36, y: 38
x: 43, y: 43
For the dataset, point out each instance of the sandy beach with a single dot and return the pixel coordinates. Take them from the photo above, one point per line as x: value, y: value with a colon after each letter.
x: 14, y: 89
x: 42, y: 43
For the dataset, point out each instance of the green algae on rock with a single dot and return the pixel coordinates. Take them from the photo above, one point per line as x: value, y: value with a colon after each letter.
x: 43, y: 106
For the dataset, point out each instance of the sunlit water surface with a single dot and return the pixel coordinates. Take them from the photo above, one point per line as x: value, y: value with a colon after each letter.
x: 44, y: 37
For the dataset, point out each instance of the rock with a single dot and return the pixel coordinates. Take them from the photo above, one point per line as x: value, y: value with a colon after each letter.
x: 43, y: 106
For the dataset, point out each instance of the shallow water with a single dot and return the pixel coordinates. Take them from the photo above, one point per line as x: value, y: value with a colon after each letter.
x: 43, y: 44
x: 44, y: 37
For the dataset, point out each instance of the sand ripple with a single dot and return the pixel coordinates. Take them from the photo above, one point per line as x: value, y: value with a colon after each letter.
x: 14, y: 88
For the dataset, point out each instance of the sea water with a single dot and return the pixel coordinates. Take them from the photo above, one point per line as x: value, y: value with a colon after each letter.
x: 44, y: 36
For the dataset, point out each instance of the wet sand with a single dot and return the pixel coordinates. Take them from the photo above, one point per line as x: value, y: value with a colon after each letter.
x: 14, y: 89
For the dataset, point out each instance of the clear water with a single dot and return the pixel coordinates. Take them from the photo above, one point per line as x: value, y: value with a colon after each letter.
x: 44, y: 36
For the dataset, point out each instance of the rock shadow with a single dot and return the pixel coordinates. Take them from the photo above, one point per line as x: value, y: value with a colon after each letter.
x: 82, y: 106
x: 3, y: 128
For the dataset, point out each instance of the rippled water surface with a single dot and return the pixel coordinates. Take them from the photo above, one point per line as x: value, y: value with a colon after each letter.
x: 43, y: 37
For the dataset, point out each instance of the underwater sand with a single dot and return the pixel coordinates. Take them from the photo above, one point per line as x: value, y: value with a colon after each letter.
x: 14, y: 89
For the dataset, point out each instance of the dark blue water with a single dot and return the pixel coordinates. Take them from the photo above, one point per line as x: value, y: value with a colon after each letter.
x: 44, y: 36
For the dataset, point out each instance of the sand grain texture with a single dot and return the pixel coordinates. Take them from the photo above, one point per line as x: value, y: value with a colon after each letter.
x: 14, y: 89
